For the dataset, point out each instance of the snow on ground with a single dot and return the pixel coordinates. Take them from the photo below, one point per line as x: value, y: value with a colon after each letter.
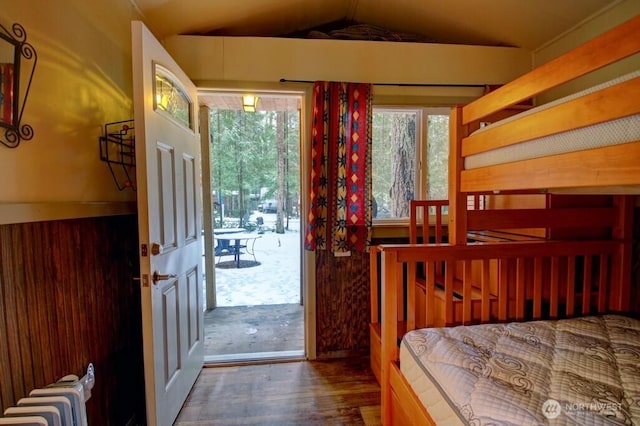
x: 276, y: 280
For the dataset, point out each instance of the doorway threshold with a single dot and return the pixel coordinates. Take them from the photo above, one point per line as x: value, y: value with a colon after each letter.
x: 256, y: 357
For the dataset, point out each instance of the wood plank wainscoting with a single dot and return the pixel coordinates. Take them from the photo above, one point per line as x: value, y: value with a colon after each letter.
x: 342, y: 305
x: 67, y: 298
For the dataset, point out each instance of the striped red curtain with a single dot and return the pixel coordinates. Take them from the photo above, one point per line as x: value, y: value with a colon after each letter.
x: 340, y: 184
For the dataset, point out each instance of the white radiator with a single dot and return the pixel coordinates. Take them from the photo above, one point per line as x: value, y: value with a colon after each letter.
x: 24, y: 421
x: 62, y: 403
x: 47, y: 412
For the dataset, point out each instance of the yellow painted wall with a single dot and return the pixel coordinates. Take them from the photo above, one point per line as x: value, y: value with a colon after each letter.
x: 598, y: 24
x: 221, y: 61
x: 82, y: 80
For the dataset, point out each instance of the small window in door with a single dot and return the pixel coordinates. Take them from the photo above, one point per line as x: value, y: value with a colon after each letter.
x: 170, y: 99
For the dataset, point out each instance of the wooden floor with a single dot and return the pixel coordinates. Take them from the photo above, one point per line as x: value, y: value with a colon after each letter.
x: 333, y: 392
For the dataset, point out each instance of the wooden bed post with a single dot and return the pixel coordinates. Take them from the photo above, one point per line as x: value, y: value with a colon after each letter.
x: 620, y: 292
x: 373, y: 284
x: 389, y: 351
x: 457, y: 199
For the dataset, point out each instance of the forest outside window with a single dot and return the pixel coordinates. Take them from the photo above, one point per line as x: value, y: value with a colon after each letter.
x: 409, y: 160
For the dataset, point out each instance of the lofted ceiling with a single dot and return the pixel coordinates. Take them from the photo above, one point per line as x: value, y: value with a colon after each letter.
x: 521, y: 23
x: 527, y: 24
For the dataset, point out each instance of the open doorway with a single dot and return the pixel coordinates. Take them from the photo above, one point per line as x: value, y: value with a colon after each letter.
x: 257, y: 311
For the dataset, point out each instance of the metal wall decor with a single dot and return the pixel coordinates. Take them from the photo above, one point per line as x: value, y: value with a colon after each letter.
x: 118, y: 150
x: 17, y: 57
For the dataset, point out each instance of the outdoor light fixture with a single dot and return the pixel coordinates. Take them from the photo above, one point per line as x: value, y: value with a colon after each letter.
x: 249, y: 103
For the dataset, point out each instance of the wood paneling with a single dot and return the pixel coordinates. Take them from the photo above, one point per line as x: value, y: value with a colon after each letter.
x: 68, y: 298
x: 342, y: 304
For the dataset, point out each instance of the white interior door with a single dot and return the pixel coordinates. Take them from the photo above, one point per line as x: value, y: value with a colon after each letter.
x: 169, y: 211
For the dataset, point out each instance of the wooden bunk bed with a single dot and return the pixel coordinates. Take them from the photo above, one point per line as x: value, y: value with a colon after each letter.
x: 471, y: 283
x: 560, y: 218
x: 585, y: 167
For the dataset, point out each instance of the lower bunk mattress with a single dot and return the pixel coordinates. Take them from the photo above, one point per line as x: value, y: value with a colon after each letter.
x: 581, y: 371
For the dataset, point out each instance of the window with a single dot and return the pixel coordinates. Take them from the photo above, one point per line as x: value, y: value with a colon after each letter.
x: 410, y: 158
x: 170, y: 99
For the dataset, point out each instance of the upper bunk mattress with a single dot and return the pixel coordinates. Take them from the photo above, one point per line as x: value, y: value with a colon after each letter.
x: 580, y: 371
x: 609, y: 133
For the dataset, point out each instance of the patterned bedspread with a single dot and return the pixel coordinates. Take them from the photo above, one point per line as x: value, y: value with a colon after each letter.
x: 583, y: 371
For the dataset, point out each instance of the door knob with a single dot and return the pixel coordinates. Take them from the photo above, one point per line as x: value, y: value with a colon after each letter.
x: 161, y: 277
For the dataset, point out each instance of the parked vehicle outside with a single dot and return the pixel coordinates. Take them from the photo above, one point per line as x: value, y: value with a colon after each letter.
x: 268, y: 206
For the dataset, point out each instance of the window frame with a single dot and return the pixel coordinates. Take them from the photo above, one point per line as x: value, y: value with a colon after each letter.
x: 421, y: 174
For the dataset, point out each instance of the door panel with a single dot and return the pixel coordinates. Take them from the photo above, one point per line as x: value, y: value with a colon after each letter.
x: 194, y: 300
x: 171, y: 311
x: 190, y: 193
x: 169, y: 223
x: 167, y: 192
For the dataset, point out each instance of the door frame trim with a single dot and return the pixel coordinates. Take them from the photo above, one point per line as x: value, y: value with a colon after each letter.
x: 307, y: 258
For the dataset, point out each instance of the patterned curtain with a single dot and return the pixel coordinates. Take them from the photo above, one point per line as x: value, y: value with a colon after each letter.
x: 340, y: 185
